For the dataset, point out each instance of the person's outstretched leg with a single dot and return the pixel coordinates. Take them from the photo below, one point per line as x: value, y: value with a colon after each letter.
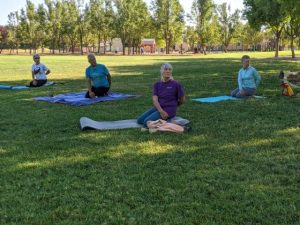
x: 152, y: 117
x: 151, y: 113
x: 235, y: 92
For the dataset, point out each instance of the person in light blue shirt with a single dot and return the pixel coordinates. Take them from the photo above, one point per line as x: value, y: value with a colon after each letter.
x: 98, y: 78
x: 248, y: 80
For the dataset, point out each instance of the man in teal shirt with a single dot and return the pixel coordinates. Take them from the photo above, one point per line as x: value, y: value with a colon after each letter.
x: 98, y: 78
x: 248, y: 80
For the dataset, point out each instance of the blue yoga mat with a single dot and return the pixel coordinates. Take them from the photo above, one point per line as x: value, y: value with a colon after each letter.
x: 11, y: 87
x: 78, y: 98
x: 220, y: 98
x: 5, y: 87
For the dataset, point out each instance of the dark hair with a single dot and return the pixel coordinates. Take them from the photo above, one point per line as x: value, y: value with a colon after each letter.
x: 281, y: 75
x: 245, y: 57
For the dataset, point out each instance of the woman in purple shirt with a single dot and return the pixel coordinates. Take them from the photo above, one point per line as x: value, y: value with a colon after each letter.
x: 167, y: 95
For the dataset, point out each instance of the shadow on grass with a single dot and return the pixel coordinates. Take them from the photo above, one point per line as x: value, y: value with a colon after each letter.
x: 208, y: 177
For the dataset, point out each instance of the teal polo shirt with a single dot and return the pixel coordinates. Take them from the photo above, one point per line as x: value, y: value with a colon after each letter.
x: 98, y: 75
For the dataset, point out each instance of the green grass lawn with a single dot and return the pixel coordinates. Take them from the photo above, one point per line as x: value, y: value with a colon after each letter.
x: 240, y: 164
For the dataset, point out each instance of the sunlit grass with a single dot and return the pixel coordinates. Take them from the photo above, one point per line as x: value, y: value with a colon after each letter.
x: 238, y: 165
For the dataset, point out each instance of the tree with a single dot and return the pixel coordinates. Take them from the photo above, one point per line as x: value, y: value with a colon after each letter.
x: 250, y: 36
x: 191, y: 37
x: 96, y: 19
x: 292, y: 25
x: 69, y: 24
x: 13, y: 22
x: 42, y: 24
x: 32, y: 25
x: 168, y: 18
x: 23, y: 31
x: 266, y: 13
x: 140, y: 22
x: 202, y: 11
x: 214, y: 31
x: 3, y: 37
x: 109, y: 22
x: 121, y: 22
x: 54, y: 14
x: 229, y: 24
x: 82, y: 23
x: 131, y: 20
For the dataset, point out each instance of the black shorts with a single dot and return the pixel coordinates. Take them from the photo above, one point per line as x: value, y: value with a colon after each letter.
x: 99, y: 91
x: 38, y: 83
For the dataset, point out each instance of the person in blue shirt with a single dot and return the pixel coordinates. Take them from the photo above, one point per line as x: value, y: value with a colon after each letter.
x: 248, y: 80
x: 98, y: 78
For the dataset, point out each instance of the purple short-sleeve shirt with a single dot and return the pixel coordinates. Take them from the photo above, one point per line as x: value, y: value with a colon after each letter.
x: 168, y: 94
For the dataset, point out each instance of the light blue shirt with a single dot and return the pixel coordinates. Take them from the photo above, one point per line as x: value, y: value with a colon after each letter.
x: 98, y: 75
x: 248, y: 78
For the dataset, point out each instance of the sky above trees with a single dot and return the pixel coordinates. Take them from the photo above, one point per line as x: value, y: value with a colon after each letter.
x: 16, y: 5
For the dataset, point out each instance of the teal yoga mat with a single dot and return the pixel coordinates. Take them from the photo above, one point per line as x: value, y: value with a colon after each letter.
x: 221, y: 98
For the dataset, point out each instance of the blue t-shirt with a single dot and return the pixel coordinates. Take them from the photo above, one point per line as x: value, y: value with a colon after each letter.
x: 248, y: 78
x: 98, y: 75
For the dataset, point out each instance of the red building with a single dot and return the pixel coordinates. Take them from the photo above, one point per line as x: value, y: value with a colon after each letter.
x: 148, y: 46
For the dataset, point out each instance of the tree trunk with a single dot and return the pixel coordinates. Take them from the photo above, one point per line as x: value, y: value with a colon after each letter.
x: 99, y: 43
x: 53, y: 46
x: 104, y: 46
x: 277, y: 44
x: 129, y: 47
x: 292, y: 47
x: 81, y: 45
x: 167, y: 46
x: 276, y: 48
x: 225, y: 48
x: 72, y: 46
x: 203, y: 47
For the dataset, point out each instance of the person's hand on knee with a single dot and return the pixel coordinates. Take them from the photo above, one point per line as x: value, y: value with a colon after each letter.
x: 164, y: 115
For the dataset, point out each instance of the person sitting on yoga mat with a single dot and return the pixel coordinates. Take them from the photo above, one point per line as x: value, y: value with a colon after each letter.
x: 167, y: 95
x: 39, y: 72
x: 98, y: 78
x: 248, y: 80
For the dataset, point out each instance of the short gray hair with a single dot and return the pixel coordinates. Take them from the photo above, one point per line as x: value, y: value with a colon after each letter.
x: 91, y: 56
x: 165, y: 66
x: 36, y: 56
